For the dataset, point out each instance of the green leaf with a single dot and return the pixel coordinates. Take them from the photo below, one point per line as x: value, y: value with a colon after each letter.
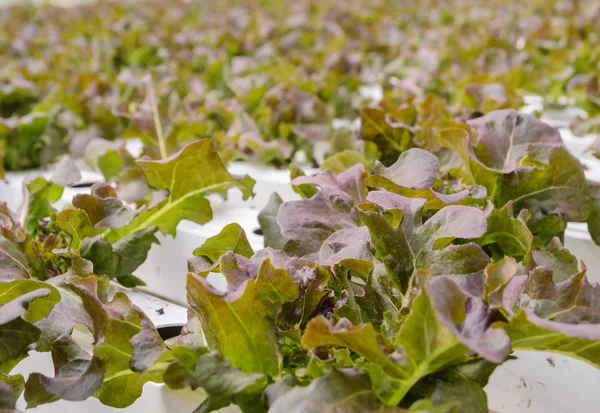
x: 123, y: 257
x: 451, y: 388
x: 267, y: 219
x: 231, y: 238
x: 189, y: 175
x: 340, y: 391
x: 29, y: 299
x: 77, y: 224
x: 378, y: 296
x: 361, y: 339
x: 344, y: 160
x: 236, y: 323
x: 274, y: 285
x: 223, y: 383
x: 390, y: 131
x: 22, y: 302
x: 558, y: 189
x: 41, y: 194
x: 24, y: 142
x: 130, y: 281
x: 15, y: 338
x: 115, y: 325
x: 505, y: 235
x: 529, y: 336
x: 11, y: 388
x: 593, y: 220
x: 427, y: 346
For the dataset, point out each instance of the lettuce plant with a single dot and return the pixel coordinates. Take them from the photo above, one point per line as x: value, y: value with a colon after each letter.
x: 511, y: 159
x: 400, y: 290
x: 384, y: 298
x: 266, y: 82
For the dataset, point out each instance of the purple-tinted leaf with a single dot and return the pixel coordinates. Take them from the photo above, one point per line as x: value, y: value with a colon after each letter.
x: 497, y: 278
x: 121, y: 258
x: 237, y: 269
x: 314, y: 298
x: 413, y: 244
x: 465, y: 264
x: 560, y: 316
x: 353, y: 243
x: 502, y: 138
x: 468, y: 318
x: 307, y: 223
x: 147, y: 345
x: 103, y: 208
x: 77, y: 375
x: 415, y: 169
x: 114, y: 325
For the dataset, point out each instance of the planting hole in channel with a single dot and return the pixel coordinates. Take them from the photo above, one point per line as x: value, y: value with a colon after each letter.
x: 258, y: 231
x: 168, y: 332
x: 82, y: 185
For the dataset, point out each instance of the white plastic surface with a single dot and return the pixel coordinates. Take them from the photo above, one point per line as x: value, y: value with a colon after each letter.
x: 539, y: 382
x: 578, y: 145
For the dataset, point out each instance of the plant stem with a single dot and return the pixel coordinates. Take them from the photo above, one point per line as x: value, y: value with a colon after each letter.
x: 162, y: 145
